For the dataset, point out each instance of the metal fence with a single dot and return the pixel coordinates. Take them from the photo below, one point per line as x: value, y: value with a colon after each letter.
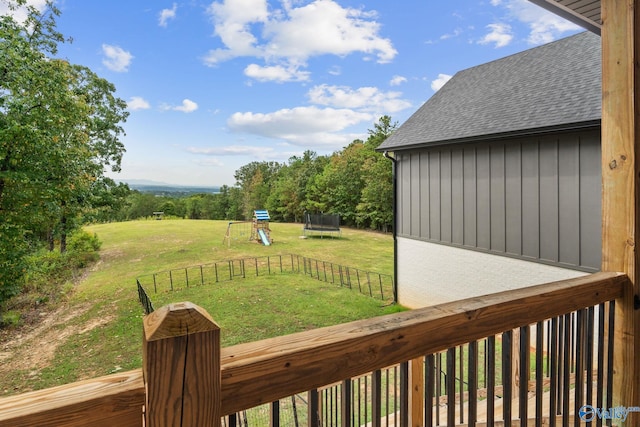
x: 376, y: 285
x: 293, y: 411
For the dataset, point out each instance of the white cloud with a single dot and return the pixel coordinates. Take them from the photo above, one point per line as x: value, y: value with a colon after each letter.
x: 167, y: 14
x: 288, y: 37
x: 343, y: 30
x: 397, y: 80
x: 276, y: 73
x: 544, y: 26
x: 323, y: 126
x: 325, y: 141
x: 453, y: 34
x: 369, y: 99
x: 234, y: 150
x: 188, y: 106
x: 232, y: 21
x: 500, y: 35
x: 211, y: 156
x: 440, y: 81
x: 335, y: 70
x: 209, y: 162
x: 20, y: 14
x: 304, y: 126
x: 116, y: 58
x: 138, y: 103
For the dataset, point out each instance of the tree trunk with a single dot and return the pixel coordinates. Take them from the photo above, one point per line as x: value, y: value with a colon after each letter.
x: 63, y: 231
x: 50, y: 240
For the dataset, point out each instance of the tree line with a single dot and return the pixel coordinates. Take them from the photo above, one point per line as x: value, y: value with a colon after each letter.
x: 60, y: 131
x: 354, y: 182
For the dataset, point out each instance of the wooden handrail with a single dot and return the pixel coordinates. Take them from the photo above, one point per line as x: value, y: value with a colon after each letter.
x: 112, y: 400
x: 264, y: 371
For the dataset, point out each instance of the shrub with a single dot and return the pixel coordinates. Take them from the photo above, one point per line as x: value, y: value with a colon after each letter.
x: 13, y: 250
x: 82, y: 249
x: 46, y: 269
x: 49, y: 273
x: 81, y: 241
x: 10, y: 318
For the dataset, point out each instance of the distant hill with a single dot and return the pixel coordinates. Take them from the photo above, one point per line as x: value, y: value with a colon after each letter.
x: 162, y: 189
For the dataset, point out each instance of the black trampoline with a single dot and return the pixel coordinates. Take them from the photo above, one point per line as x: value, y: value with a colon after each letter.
x: 321, y: 224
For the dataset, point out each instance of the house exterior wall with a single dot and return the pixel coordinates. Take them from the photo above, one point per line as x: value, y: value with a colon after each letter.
x: 535, y: 198
x: 432, y: 273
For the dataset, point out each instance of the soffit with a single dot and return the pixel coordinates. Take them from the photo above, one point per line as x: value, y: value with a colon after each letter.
x: 585, y: 13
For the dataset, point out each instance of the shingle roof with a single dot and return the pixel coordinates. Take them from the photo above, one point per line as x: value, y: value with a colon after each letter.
x: 556, y: 85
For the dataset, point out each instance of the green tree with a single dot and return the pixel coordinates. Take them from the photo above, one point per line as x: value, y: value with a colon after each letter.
x: 59, y: 129
x: 168, y: 207
x: 381, y: 131
x: 337, y: 190
x: 376, y: 202
x: 289, y: 196
x: 222, y: 203
x: 353, y: 184
x: 194, y: 207
x: 208, y: 206
x: 234, y: 208
x: 375, y: 209
x: 256, y: 181
x: 30, y: 85
x: 89, y: 142
x: 109, y: 201
x: 141, y: 205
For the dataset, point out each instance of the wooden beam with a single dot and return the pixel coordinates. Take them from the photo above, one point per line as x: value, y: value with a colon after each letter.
x: 621, y: 189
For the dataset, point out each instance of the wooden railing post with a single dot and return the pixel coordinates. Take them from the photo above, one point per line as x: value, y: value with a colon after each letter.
x: 181, y: 367
x: 621, y: 186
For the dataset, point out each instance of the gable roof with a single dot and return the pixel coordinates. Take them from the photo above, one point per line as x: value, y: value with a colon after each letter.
x: 554, y: 86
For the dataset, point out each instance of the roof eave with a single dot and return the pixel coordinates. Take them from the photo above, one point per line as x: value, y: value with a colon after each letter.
x: 569, y: 14
x: 585, y: 125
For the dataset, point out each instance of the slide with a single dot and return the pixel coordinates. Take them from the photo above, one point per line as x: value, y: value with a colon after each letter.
x: 263, y: 237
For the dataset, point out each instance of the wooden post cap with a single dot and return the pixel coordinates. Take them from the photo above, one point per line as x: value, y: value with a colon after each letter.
x: 177, y: 319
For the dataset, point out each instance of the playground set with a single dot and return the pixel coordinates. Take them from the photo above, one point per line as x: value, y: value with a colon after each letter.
x: 256, y: 230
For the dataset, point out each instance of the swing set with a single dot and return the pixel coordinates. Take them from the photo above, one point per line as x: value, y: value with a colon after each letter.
x: 256, y: 230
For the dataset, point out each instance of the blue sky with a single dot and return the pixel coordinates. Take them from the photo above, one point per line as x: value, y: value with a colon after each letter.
x: 214, y: 85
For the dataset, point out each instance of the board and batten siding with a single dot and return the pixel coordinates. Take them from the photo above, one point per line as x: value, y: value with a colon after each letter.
x: 535, y: 198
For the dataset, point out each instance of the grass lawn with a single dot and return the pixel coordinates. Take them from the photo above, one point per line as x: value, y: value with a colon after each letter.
x: 98, y: 330
x: 266, y: 306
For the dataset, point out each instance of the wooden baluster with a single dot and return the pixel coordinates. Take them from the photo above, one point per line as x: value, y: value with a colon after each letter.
x: 416, y: 392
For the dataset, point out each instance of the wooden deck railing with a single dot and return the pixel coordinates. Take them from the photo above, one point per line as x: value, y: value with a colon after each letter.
x: 187, y: 383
